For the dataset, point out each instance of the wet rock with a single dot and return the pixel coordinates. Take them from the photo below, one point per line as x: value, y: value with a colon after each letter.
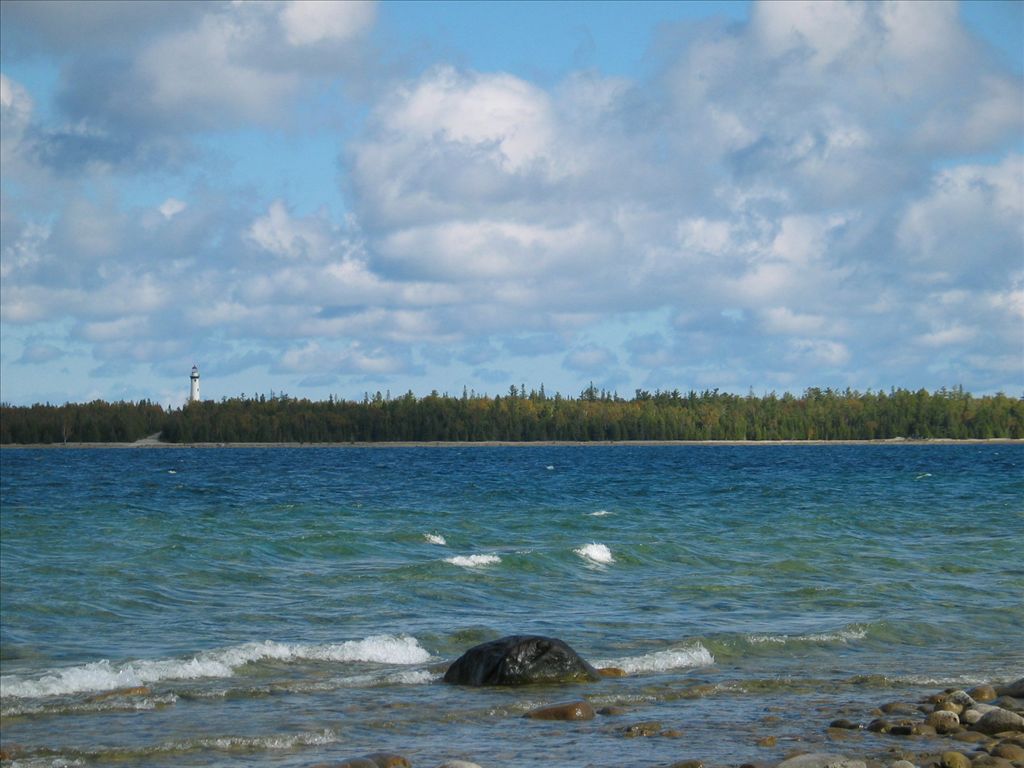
x: 520, y: 660
x: 612, y: 711
x: 970, y: 716
x: 949, y: 706
x: 999, y: 720
x: 354, y: 762
x: 671, y: 733
x: 1008, y: 751
x: 955, y: 760
x: 962, y: 698
x: 571, y: 710
x: 1010, y: 703
x: 648, y: 728
x: 611, y: 672
x: 458, y: 764
x: 821, y: 760
x: 767, y: 741
x: 879, y: 725
x: 983, y: 693
x: 943, y: 722
x: 902, y: 729
x: 687, y: 764
x: 923, y: 729
x: 388, y: 760
x: 845, y: 724
x: 902, y: 764
x: 138, y: 690
x: 1014, y: 689
x: 991, y: 761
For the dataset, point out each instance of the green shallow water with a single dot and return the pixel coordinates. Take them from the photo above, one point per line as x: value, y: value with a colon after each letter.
x: 295, y: 606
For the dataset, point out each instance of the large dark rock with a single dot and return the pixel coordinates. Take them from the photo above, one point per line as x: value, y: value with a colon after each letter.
x: 520, y: 660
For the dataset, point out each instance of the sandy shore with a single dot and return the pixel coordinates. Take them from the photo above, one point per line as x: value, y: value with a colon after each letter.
x: 152, y: 442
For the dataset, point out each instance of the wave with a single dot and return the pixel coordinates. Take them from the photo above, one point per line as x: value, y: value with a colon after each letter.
x: 435, y: 538
x: 686, y: 657
x: 105, y: 676
x: 842, y: 636
x: 600, y: 513
x: 596, y: 553
x: 473, y: 561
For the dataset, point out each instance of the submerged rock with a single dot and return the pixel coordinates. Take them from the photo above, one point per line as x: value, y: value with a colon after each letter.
x: 821, y: 760
x: 572, y: 710
x: 1014, y: 689
x: 520, y: 660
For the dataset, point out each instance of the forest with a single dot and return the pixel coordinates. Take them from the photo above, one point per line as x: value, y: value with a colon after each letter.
x: 521, y: 416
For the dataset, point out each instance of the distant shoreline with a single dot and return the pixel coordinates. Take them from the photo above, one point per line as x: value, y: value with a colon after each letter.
x: 147, y: 443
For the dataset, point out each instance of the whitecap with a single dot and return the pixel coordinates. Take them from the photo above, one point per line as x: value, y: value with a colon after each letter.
x: 550, y: 467
x: 220, y: 663
x: 596, y: 553
x: 473, y: 561
x: 842, y: 636
x: 435, y: 538
x: 687, y: 657
x: 600, y: 513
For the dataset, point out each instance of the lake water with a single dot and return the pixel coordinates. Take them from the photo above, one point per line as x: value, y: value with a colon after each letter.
x: 294, y: 606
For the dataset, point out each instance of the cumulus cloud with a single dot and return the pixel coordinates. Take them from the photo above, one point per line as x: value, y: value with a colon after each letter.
x: 785, y: 198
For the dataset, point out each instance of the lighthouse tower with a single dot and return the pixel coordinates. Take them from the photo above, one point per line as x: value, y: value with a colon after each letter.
x: 193, y: 392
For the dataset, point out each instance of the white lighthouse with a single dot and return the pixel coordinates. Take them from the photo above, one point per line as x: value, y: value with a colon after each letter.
x: 193, y: 392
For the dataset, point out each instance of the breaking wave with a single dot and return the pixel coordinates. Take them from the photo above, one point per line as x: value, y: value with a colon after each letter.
x: 473, y: 561
x: 221, y: 663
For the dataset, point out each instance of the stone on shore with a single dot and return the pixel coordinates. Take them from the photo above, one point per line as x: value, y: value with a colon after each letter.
x: 943, y: 721
x: 520, y: 660
x: 983, y: 693
x: 955, y: 760
x: 388, y: 760
x: 572, y: 710
x: 821, y: 760
x: 998, y: 721
x: 1008, y: 751
x: 1014, y: 689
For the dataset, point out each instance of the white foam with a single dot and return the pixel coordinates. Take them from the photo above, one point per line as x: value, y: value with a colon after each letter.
x: 104, y: 676
x: 842, y: 636
x: 473, y: 561
x: 600, y: 513
x: 550, y: 466
x: 435, y: 538
x: 688, y: 657
x: 597, y: 553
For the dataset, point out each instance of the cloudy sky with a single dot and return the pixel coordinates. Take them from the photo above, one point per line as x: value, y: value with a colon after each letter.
x: 330, y: 198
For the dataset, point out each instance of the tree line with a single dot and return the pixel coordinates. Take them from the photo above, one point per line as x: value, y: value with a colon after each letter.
x: 521, y: 416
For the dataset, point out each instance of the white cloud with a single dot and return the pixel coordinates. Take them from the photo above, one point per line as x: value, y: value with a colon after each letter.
x: 308, y: 22
x: 171, y: 207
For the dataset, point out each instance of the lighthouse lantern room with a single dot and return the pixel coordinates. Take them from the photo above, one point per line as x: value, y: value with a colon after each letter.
x: 193, y: 392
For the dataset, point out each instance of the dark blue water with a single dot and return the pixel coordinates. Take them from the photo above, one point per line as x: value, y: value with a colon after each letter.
x: 286, y: 606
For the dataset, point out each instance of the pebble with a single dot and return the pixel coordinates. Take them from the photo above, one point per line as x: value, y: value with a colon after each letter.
x: 1008, y: 750
x: 955, y: 760
x: 821, y: 760
x: 983, y: 693
x: 902, y: 764
x: 999, y: 720
x: 388, y: 760
x: 943, y: 722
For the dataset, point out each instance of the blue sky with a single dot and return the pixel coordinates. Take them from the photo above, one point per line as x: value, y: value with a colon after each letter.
x: 331, y: 198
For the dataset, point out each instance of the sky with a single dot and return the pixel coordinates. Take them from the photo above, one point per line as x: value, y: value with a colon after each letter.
x: 318, y: 198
